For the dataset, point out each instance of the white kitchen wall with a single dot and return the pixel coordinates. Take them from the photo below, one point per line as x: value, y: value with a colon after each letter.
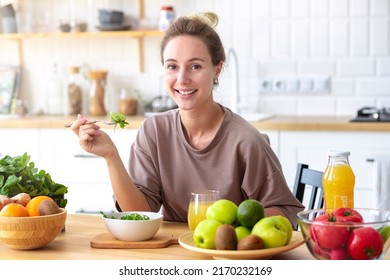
x: 347, y: 40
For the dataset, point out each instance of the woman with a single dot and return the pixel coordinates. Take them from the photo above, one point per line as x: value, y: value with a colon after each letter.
x: 200, y: 145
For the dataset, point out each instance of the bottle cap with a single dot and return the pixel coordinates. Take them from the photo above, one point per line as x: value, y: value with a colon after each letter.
x: 338, y: 153
x: 167, y: 8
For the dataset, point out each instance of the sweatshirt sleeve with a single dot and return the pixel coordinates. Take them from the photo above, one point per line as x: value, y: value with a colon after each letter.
x: 264, y: 180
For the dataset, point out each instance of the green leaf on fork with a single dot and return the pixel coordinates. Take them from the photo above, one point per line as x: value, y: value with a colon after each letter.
x: 118, y: 119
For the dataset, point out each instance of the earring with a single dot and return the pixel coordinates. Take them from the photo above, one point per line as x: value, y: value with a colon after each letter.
x: 216, y: 82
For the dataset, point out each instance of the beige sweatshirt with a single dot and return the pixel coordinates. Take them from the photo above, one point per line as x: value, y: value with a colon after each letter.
x: 239, y: 162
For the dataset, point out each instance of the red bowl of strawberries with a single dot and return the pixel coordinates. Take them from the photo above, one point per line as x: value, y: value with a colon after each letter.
x: 346, y: 233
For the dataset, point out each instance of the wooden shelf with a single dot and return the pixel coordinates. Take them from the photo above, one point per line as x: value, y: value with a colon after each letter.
x: 135, y: 34
x: 97, y: 34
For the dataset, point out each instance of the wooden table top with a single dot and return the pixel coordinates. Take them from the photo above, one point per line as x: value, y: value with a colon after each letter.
x: 80, y: 229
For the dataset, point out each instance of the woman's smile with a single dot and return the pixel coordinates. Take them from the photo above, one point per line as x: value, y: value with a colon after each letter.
x: 186, y: 92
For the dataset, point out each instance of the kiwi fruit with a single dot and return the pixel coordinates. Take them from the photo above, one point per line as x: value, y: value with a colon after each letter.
x: 48, y: 207
x: 226, y: 238
x: 250, y: 242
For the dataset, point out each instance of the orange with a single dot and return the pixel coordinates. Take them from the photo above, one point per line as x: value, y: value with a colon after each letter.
x: 33, y: 204
x: 14, y: 210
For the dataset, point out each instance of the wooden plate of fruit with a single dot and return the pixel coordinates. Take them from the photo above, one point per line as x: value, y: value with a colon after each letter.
x: 186, y: 240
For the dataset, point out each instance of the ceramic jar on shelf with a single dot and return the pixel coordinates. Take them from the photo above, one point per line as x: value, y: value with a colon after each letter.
x: 167, y: 16
x: 97, y: 92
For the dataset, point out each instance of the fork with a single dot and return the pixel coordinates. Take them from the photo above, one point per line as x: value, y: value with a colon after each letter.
x: 90, y: 122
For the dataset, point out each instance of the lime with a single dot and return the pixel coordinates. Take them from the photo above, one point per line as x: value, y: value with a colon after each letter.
x: 249, y: 212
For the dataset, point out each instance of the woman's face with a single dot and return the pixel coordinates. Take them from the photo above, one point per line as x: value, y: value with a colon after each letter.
x: 188, y: 72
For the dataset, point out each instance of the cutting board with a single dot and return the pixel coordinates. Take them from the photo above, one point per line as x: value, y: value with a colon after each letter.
x: 107, y: 241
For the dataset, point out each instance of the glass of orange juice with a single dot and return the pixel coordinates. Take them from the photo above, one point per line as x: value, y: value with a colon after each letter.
x: 198, y: 205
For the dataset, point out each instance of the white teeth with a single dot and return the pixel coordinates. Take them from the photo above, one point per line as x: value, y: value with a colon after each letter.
x: 186, y: 92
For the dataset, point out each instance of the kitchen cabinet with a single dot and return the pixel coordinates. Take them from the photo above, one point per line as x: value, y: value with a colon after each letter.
x: 311, y: 147
x: 138, y: 35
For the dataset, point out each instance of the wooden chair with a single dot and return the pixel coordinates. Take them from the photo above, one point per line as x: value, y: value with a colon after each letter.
x: 305, y: 180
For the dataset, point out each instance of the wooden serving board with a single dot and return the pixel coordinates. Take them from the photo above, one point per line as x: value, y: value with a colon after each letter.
x: 107, y: 241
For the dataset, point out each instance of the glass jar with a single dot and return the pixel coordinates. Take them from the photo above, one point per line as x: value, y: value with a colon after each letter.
x: 97, y: 92
x: 20, y: 108
x: 338, y: 181
x: 75, y: 93
x: 55, y: 94
x: 128, y: 103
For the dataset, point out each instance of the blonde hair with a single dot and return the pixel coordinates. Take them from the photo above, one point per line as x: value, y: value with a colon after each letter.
x: 209, y: 18
x: 201, y: 25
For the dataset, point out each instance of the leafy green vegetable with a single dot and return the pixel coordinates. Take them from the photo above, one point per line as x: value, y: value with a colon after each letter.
x: 118, y: 119
x: 19, y: 175
x: 133, y: 216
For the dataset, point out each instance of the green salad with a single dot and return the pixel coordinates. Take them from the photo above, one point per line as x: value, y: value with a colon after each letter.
x: 133, y: 216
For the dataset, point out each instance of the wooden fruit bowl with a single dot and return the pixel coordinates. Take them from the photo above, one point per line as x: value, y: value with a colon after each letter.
x: 27, y: 233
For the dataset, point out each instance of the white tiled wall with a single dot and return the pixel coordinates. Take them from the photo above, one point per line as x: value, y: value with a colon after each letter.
x: 349, y: 40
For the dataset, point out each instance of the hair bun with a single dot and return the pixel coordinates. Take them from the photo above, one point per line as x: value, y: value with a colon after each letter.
x: 209, y: 18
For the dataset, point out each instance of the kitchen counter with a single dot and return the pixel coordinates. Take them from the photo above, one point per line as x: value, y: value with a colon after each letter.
x: 286, y: 123
x: 80, y: 229
x: 320, y: 123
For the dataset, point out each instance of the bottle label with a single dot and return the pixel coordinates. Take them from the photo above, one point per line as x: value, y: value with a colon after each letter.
x: 338, y: 182
x: 342, y: 201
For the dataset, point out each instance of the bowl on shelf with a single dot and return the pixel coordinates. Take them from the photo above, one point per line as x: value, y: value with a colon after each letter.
x: 79, y: 26
x: 107, y: 17
x: 348, y: 236
x: 64, y: 26
x: 131, y: 229
x: 27, y: 233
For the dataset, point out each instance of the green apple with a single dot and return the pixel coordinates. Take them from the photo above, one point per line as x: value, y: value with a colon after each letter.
x: 288, y: 225
x: 272, y: 231
x: 241, y: 232
x: 222, y: 210
x: 204, y: 233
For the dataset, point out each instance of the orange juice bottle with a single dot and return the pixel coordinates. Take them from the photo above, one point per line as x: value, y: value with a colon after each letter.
x: 338, y: 181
